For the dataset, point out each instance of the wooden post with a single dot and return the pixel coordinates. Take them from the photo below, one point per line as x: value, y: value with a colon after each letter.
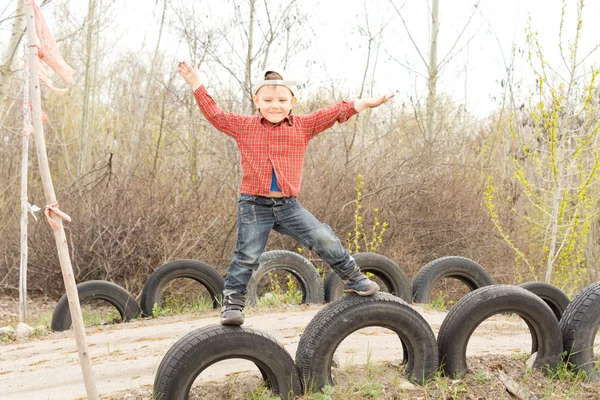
x: 24, y: 166
x: 59, y: 232
x: 433, y: 72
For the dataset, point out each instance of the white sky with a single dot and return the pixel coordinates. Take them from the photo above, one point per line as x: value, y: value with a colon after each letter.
x: 336, y: 54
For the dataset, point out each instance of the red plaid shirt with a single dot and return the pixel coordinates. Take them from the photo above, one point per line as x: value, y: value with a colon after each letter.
x: 265, y: 146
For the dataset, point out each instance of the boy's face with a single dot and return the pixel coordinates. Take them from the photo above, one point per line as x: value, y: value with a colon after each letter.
x: 274, y: 102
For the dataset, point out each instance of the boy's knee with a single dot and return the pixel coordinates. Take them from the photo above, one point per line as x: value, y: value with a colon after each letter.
x: 326, y: 243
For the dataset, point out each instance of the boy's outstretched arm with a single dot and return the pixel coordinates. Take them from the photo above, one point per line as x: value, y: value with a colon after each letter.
x: 324, y: 118
x: 361, y: 104
x: 228, y: 123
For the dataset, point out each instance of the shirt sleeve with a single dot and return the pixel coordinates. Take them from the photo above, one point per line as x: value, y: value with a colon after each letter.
x: 228, y: 123
x: 324, y: 118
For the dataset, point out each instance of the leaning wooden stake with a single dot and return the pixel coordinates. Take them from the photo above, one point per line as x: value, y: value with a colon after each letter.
x: 56, y: 221
x: 24, y: 164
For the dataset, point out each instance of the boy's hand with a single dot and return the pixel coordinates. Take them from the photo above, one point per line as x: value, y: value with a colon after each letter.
x: 377, y: 101
x: 361, y: 104
x: 190, y: 74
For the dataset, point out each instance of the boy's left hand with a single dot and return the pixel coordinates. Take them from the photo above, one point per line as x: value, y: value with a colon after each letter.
x: 377, y: 101
x: 361, y: 104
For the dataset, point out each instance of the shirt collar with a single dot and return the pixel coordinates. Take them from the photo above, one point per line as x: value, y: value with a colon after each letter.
x: 289, y: 119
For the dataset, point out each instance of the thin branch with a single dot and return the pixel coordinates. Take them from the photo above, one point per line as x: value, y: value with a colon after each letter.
x: 449, y: 54
x: 408, y: 32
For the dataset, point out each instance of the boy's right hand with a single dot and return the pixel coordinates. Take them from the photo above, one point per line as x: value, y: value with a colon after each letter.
x: 190, y: 74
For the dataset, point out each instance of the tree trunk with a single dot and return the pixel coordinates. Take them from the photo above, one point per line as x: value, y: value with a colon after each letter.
x: 249, y: 58
x: 85, y: 148
x: 6, y: 72
x: 433, y: 72
x: 139, y: 122
x: 552, y: 255
x: 24, y: 167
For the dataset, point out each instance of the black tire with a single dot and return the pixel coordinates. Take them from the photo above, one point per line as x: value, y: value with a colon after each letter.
x: 203, y: 347
x: 202, y: 273
x: 350, y: 313
x: 479, y: 305
x: 302, y: 269
x: 382, y: 267
x: 579, y: 326
x: 96, y: 290
x: 556, y: 299
x: 467, y: 271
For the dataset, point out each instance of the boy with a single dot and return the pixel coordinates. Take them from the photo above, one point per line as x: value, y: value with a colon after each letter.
x: 272, y: 145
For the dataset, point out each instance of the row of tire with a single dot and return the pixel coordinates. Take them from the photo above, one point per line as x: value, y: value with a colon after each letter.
x: 314, y: 290
x: 423, y: 354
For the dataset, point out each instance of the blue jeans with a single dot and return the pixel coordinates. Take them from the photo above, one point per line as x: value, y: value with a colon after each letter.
x: 257, y: 216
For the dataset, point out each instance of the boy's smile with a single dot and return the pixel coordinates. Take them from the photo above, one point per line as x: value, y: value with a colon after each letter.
x: 274, y: 102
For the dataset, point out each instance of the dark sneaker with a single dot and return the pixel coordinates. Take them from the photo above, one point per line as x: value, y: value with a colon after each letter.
x: 356, y: 282
x: 233, y: 305
x: 364, y: 287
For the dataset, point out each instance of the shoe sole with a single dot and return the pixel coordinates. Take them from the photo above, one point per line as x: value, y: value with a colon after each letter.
x: 232, y: 321
x: 369, y: 292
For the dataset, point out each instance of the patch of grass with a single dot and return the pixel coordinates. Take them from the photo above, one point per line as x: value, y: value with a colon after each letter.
x: 261, y: 393
x: 44, y: 319
x: 114, y: 352
x: 180, y: 304
x: 278, y: 296
x: 564, y: 376
x: 38, y: 332
x: 100, y: 317
x: 8, y: 337
x: 325, y: 394
x: 521, y: 357
x: 371, y: 390
x: 438, y: 301
x: 481, y: 377
x: 447, y: 388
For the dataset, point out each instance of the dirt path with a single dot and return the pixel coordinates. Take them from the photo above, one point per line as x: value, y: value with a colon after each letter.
x: 126, y: 356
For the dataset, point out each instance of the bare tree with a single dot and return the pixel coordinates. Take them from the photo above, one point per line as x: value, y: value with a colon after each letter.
x: 139, y: 122
x: 555, y: 160
x: 433, y: 67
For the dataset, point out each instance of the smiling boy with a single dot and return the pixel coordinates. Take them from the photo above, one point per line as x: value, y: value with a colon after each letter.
x: 272, y: 146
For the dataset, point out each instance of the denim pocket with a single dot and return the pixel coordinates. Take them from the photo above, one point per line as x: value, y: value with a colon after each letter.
x: 247, y: 213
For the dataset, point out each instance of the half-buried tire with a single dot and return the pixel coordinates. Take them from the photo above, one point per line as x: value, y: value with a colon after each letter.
x: 579, y: 326
x: 203, y: 347
x: 96, y: 290
x: 479, y: 305
x: 350, y: 313
x: 303, y: 270
x: 556, y: 299
x: 467, y: 271
x: 385, y: 269
x: 202, y: 273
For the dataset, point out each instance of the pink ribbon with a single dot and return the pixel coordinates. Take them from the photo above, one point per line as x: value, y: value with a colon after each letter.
x: 48, y: 51
x: 54, y: 208
x: 28, y: 131
x: 44, y: 116
x: 48, y: 82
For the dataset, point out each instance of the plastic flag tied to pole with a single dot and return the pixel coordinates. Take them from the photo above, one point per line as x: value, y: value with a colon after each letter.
x: 54, y: 208
x: 48, y: 51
